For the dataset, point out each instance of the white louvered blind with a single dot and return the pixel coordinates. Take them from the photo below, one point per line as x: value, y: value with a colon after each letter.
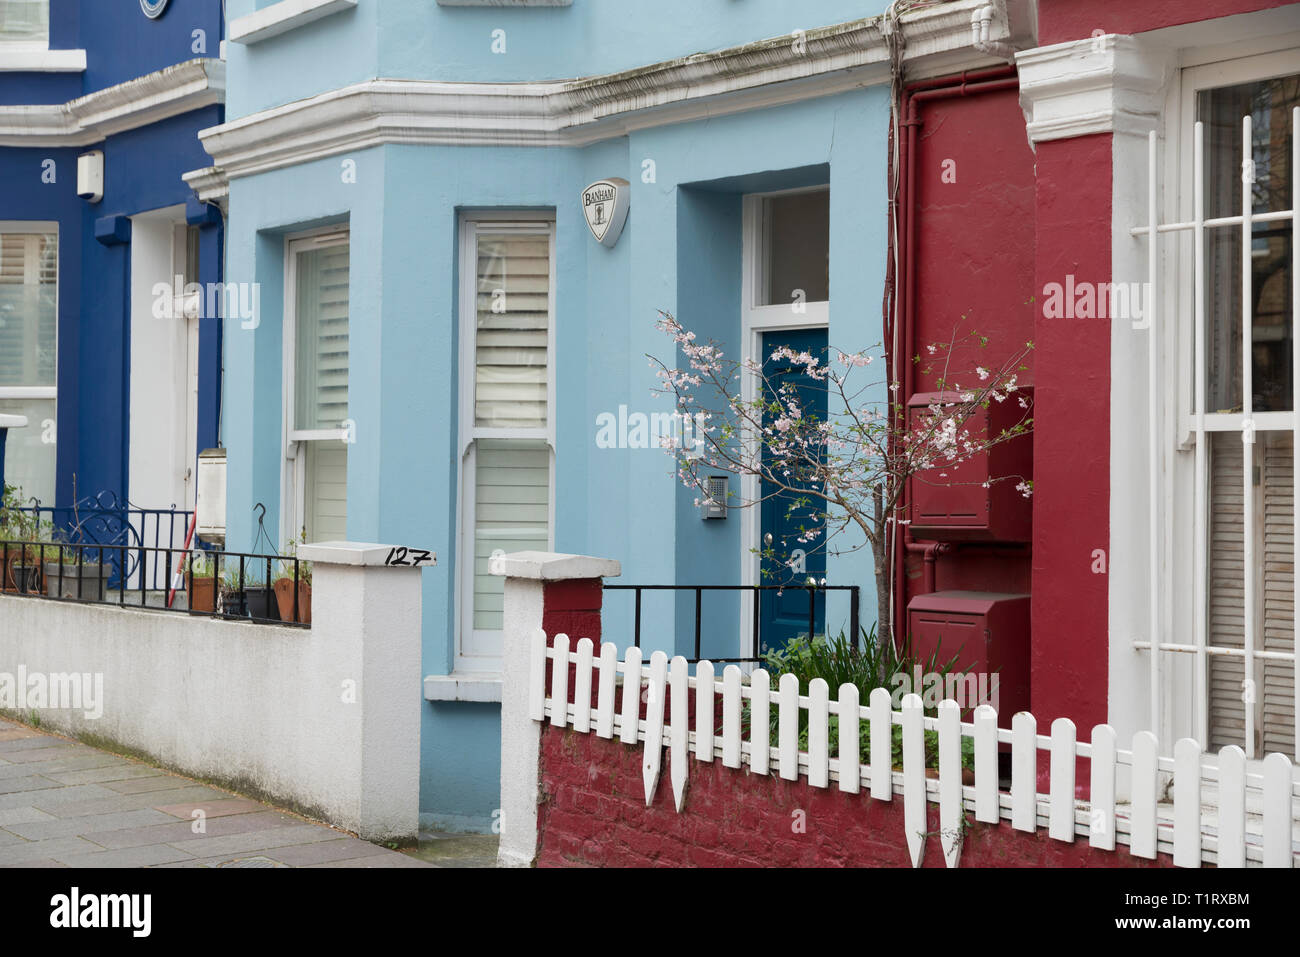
x: 512, y: 313
x: 321, y: 370
x: 1272, y: 528
x: 24, y: 21
x: 511, y: 514
x: 28, y: 308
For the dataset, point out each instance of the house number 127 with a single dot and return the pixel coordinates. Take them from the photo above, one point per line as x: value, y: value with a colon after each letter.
x: 409, y: 556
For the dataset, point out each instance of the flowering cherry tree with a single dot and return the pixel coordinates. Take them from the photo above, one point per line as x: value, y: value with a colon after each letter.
x: 846, y: 469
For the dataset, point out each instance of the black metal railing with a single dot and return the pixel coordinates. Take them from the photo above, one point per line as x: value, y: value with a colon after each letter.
x: 268, y: 589
x: 104, y: 520
x: 812, y: 590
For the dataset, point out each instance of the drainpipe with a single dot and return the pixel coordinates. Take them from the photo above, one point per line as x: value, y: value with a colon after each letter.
x: 981, y: 20
x: 929, y: 551
x: 967, y: 83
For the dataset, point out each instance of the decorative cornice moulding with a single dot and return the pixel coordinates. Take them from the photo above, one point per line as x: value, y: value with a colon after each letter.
x: 1105, y: 84
x: 786, y: 69
x: 146, y: 99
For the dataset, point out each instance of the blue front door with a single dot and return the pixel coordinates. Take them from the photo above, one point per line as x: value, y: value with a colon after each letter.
x: 788, y: 613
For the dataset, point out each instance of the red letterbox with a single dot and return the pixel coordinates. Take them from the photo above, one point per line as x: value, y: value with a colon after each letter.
x: 950, y: 502
x: 988, y: 632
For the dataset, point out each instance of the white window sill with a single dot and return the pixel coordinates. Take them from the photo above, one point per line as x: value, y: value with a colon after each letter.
x: 42, y: 61
x: 282, y: 17
x: 463, y: 686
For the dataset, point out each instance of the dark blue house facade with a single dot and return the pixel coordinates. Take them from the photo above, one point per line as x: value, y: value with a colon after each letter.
x: 107, y: 347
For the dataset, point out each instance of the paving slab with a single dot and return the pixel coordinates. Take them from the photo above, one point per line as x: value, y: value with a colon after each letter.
x: 65, y: 804
x: 86, y: 824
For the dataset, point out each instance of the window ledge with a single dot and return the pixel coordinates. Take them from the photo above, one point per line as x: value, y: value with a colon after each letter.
x: 42, y: 61
x: 463, y: 686
x: 282, y: 17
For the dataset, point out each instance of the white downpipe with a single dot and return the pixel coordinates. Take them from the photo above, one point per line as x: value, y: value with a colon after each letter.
x: 981, y: 21
x: 1202, y: 438
x: 1153, y: 434
x: 1249, y: 691
x: 1295, y: 390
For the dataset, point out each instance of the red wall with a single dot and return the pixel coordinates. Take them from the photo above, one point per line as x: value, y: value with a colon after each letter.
x: 974, y: 272
x: 1071, y: 439
x: 593, y: 813
x: 1061, y: 20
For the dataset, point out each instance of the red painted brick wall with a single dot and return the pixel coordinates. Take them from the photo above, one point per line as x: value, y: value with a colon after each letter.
x: 593, y: 813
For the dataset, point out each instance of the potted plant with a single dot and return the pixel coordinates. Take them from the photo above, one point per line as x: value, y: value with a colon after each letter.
x: 284, y: 590
x: 24, y: 571
x: 76, y: 571
x: 200, y: 584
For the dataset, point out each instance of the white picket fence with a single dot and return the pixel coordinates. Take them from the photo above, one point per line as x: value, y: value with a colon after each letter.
x: 1225, y: 833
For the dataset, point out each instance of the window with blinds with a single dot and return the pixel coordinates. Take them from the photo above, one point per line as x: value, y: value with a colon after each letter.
x: 29, y: 286
x: 506, y: 327
x: 321, y: 369
x: 512, y: 319
x: 1271, y: 527
x: 24, y: 21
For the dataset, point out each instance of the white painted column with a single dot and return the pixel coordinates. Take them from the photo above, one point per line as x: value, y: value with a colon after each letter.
x: 526, y: 575
x: 366, y: 613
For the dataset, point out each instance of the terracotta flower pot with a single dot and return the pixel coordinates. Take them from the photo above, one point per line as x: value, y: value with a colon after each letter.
x: 202, y: 592
x: 284, y: 598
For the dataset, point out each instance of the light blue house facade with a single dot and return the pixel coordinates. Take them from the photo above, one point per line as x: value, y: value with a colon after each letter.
x: 446, y: 357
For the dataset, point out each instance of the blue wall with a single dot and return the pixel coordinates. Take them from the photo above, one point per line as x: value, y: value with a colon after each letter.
x: 143, y: 169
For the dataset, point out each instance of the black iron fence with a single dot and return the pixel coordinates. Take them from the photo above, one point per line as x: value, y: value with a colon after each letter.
x: 126, y: 529
x: 699, y: 590
x: 268, y: 589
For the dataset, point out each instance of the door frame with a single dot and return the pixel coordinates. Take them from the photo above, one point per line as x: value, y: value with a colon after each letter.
x: 755, y: 320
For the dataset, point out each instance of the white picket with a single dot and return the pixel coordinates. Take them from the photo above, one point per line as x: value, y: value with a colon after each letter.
x: 760, y: 718
x: 1187, y: 803
x: 582, y: 688
x: 950, y: 803
x: 1060, y: 823
x: 1232, y: 807
x: 605, y: 690
x: 986, y: 765
x: 731, y: 702
x: 1102, y: 823
x: 787, y: 716
x: 882, y: 745
x: 1024, y: 772
x: 630, y: 718
x: 560, y: 682
x: 537, y: 676
x: 850, y: 759
x: 1277, y: 811
x: 656, y: 689
x: 913, y: 776
x: 704, y: 738
x: 679, y: 733
x: 819, y: 754
x: 1146, y: 787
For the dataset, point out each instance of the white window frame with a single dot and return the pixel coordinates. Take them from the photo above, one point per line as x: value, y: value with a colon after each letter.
x: 1183, y: 685
x: 755, y: 320
x: 479, y: 651
x: 28, y: 227
x: 292, y: 477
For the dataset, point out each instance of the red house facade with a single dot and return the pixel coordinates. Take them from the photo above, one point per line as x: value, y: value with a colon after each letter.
x: 1164, y: 394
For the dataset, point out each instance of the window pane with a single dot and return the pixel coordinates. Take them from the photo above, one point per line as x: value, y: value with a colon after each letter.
x: 321, y: 368
x: 1269, y: 105
x: 796, y: 237
x: 28, y: 308
x: 325, y: 491
x: 513, y: 281
x: 511, y: 514
x: 24, y: 20
x: 1271, y: 528
x: 29, y: 459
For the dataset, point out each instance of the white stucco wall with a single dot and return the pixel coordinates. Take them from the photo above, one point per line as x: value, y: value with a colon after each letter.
x: 263, y: 708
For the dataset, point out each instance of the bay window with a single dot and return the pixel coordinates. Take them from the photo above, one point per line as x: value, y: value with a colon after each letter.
x: 317, y: 428
x: 29, y: 285
x: 506, y: 417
